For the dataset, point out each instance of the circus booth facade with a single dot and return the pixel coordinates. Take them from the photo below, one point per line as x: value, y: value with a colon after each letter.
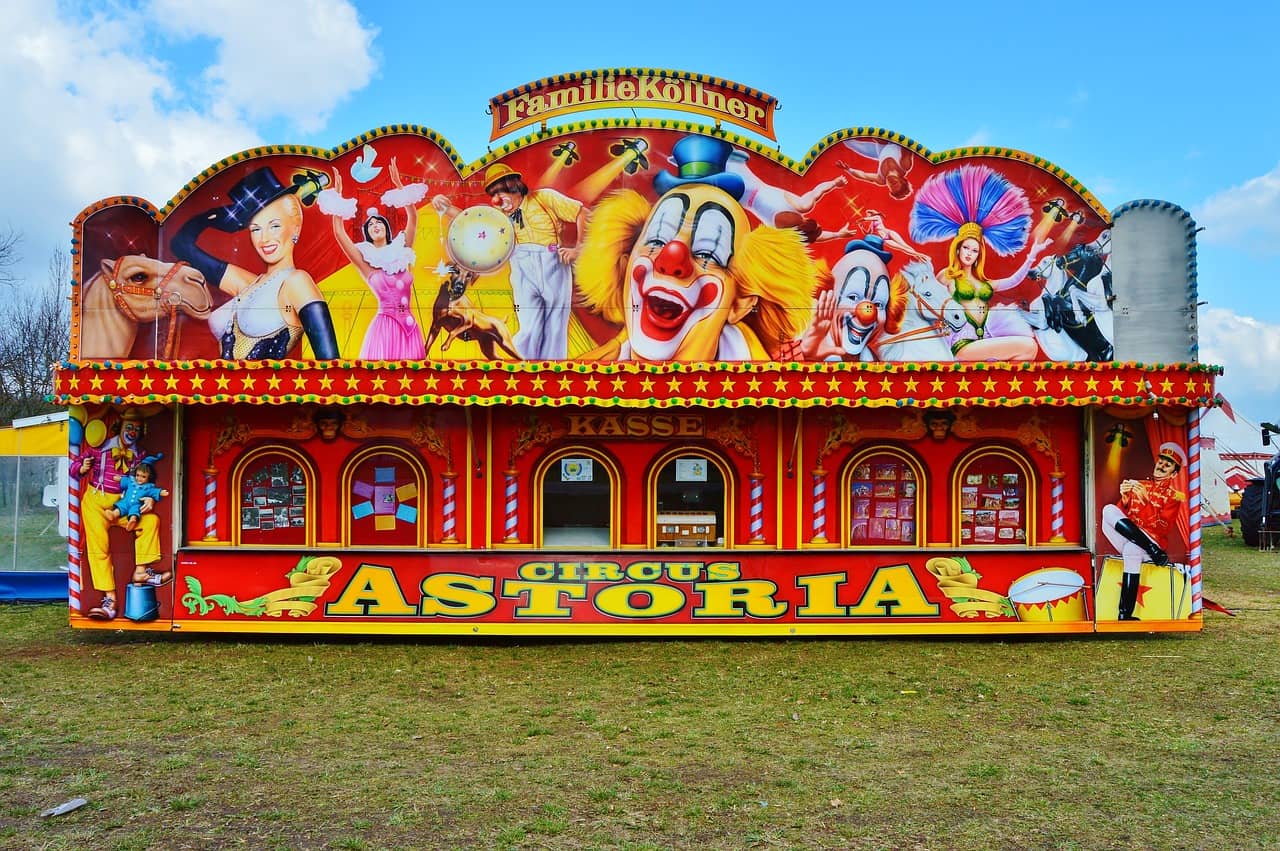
x: 634, y: 377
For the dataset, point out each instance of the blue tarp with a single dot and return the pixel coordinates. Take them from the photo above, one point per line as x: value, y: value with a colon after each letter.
x: 29, y: 586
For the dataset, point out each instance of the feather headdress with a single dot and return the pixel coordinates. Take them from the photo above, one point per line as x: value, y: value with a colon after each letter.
x: 972, y: 200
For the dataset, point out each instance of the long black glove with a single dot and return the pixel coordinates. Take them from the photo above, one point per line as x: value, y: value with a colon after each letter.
x: 185, y: 248
x: 318, y: 324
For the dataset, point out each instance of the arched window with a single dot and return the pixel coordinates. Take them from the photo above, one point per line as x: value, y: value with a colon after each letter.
x: 691, y: 496
x: 385, y: 490
x: 993, y: 499
x: 577, y: 506
x: 275, y: 490
x: 886, y: 490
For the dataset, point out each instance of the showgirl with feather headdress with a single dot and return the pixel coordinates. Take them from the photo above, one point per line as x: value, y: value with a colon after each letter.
x: 979, y: 210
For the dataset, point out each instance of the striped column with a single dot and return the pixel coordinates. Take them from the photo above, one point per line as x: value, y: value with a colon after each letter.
x: 1056, y: 507
x: 819, y: 507
x: 211, y: 503
x: 757, y: 508
x: 74, y: 573
x: 1193, y: 499
x: 511, y: 535
x: 450, y: 489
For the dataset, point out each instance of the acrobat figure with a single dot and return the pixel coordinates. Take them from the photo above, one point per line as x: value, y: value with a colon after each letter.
x: 385, y: 263
x: 873, y: 225
x: 781, y: 208
x: 1139, y: 526
x: 892, y: 165
x: 134, y: 490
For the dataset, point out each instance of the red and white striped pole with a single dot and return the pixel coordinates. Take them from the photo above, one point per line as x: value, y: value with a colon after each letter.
x: 1056, y: 507
x: 757, y: 508
x: 1193, y: 498
x: 819, y: 507
x: 449, y: 483
x: 511, y: 535
x: 210, y: 503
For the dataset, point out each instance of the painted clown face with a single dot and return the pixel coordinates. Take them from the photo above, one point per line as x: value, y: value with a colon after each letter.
x: 862, y: 299
x: 130, y: 431
x: 680, y: 292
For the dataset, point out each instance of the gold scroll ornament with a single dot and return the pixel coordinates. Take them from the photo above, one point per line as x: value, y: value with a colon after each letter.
x: 307, y: 582
x: 959, y: 581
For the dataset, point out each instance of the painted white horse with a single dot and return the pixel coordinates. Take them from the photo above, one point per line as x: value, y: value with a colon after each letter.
x: 931, y: 317
x: 133, y: 291
x: 1072, y: 317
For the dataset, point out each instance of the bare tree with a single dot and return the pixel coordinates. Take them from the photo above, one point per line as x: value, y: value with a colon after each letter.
x: 35, y: 333
x: 9, y: 240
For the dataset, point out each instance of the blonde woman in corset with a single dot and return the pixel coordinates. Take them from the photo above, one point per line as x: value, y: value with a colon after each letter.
x: 269, y: 311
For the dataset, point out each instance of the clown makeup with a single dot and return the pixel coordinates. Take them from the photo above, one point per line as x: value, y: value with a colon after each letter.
x: 680, y: 289
x: 713, y: 237
x: 862, y: 300
x: 665, y: 221
x: 507, y: 202
x: 130, y: 431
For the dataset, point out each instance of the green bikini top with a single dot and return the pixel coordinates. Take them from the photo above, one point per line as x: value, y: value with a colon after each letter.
x: 965, y: 290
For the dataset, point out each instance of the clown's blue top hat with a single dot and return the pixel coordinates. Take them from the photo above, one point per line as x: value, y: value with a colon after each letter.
x: 701, y: 159
x: 871, y: 243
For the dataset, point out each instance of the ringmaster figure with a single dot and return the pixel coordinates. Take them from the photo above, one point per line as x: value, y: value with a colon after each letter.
x: 1138, y: 527
x: 102, y: 470
x: 542, y: 266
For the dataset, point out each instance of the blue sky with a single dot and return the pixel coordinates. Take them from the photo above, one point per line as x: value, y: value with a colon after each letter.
x: 1137, y: 100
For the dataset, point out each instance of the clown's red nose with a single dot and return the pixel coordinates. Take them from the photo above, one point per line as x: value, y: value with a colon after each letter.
x: 866, y: 312
x: 673, y: 261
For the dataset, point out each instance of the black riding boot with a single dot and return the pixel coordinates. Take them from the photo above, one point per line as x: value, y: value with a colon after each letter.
x: 1131, y: 532
x: 1128, y: 597
x: 1090, y: 338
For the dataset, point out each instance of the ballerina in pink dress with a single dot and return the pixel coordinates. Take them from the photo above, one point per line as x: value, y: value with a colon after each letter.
x: 386, y: 264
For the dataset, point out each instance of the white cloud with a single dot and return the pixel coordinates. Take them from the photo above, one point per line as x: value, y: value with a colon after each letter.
x: 1104, y: 188
x: 296, y: 60
x: 1249, y: 351
x: 981, y: 136
x: 94, y: 112
x: 1245, y: 217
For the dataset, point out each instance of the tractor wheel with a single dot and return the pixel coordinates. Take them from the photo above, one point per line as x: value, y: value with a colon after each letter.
x: 1250, y: 512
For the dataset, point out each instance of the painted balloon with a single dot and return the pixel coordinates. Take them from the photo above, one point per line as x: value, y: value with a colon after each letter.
x: 481, y: 239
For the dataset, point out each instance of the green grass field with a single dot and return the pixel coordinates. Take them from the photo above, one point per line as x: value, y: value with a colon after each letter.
x: 177, y: 742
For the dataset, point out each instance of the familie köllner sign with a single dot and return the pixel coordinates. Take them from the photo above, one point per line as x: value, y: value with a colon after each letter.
x: 632, y: 87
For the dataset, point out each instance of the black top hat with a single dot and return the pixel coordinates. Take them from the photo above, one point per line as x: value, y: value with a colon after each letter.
x: 260, y: 187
